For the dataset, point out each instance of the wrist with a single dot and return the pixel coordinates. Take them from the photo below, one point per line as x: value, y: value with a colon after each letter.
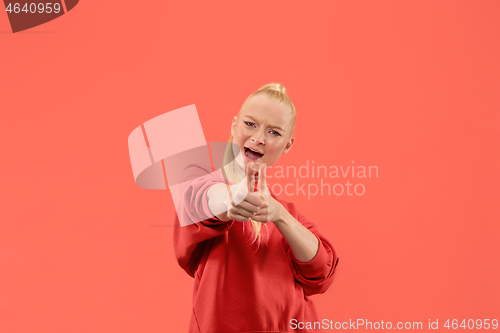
x: 283, y: 215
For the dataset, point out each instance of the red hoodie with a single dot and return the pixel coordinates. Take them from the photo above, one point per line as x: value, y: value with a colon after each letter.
x: 237, y: 287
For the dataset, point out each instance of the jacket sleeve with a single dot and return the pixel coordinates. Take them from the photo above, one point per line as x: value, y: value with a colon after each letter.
x: 191, y: 239
x: 316, y: 275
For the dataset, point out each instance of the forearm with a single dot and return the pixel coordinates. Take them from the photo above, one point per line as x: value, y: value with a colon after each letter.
x: 217, y: 197
x: 303, y: 243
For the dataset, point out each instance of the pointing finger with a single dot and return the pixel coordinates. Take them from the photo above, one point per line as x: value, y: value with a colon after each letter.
x: 250, y: 176
x: 262, y: 177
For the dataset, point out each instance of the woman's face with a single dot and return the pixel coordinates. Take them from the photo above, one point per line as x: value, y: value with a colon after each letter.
x: 263, y: 131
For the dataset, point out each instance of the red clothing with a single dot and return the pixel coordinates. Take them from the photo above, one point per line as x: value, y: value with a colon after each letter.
x: 237, y: 287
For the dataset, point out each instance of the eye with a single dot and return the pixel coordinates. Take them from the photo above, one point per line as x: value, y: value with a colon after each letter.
x: 249, y: 124
x: 275, y: 133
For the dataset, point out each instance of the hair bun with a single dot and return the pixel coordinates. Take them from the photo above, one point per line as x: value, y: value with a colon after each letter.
x: 277, y: 87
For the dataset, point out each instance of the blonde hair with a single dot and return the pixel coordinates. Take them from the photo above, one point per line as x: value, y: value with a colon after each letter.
x: 276, y: 92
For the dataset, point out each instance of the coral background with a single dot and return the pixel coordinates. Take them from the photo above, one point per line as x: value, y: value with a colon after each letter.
x: 411, y: 87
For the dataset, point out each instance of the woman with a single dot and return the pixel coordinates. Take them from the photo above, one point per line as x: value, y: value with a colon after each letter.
x: 249, y: 278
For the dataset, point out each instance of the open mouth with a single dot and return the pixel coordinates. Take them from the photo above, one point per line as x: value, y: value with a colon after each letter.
x: 253, y: 155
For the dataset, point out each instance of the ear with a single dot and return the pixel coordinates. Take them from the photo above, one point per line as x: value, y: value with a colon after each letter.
x: 233, y: 125
x: 289, y: 145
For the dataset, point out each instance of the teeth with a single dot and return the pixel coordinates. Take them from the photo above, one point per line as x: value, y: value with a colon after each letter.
x: 255, y: 151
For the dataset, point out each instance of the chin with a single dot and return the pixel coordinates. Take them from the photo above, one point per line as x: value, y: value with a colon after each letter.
x: 258, y: 162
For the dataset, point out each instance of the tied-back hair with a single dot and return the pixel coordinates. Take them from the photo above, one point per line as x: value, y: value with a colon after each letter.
x: 276, y: 92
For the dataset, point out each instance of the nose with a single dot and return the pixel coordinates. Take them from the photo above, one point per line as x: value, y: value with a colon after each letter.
x: 258, y: 137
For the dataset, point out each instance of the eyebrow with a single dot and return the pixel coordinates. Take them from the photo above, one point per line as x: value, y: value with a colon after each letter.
x: 256, y: 120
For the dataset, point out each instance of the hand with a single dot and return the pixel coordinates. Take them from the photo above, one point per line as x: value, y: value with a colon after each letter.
x: 270, y: 210
x: 251, y: 203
